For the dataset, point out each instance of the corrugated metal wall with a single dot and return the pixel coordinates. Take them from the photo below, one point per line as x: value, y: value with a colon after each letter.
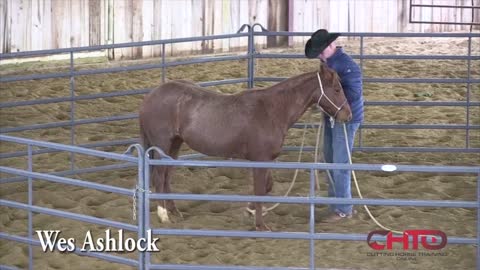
x: 379, y: 16
x: 46, y: 24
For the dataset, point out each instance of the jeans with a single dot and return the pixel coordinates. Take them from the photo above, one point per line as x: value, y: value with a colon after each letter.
x: 335, y: 151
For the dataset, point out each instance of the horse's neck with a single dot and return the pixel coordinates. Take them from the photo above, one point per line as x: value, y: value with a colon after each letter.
x: 293, y: 100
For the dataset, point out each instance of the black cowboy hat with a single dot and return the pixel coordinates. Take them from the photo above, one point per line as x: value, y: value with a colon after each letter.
x: 318, y: 42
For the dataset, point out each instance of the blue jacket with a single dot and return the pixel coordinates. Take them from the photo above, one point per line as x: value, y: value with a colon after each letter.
x: 351, y: 80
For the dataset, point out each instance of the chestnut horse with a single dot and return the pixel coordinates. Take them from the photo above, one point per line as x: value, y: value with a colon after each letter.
x: 249, y: 125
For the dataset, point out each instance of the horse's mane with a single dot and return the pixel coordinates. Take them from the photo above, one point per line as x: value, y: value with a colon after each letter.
x: 282, y: 86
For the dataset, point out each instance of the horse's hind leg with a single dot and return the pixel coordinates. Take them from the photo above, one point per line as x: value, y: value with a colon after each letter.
x: 174, y: 149
x: 269, y: 184
x: 158, y: 179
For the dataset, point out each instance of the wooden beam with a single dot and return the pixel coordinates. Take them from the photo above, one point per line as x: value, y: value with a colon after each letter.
x: 137, y: 27
x: 94, y: 23
x: 5, y: 26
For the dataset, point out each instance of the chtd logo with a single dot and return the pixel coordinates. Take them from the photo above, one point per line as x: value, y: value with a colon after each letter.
x: 409, y: 235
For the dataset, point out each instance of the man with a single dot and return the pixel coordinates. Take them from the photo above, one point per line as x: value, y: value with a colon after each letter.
x: 322, y: 46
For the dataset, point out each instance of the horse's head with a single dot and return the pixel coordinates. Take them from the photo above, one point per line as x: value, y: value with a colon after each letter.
x: 330, y: 96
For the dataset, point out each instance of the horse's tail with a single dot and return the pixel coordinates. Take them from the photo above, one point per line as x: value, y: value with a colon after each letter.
x: 146, y: 143
x: 144, y: 140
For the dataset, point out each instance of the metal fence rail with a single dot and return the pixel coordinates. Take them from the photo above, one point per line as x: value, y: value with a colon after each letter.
x: 250, y: 32
x: 143, y: 197
x: 69, y: 181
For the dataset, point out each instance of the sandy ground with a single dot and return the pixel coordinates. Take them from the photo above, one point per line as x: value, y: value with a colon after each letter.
x: 230, y: 216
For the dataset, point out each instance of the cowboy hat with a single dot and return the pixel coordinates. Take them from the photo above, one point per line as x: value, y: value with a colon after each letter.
x: 318, y: 42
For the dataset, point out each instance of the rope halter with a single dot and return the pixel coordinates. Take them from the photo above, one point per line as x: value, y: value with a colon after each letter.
x: 322, y: 94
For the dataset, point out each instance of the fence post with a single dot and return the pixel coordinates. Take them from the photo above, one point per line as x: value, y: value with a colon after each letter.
x: 361, y: 70
x: 478, y: 221
x: 469, y: 71
x: 312, y: 219
x: 139, y: 198
x: 146, y: 201
x: 72, y: 110
x: 30, y: 203
x: 163, y: 64
x: 252, y: 52
x: 251, y: 59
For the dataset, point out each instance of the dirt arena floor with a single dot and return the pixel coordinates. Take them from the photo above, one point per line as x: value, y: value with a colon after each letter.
x: 230, y: 216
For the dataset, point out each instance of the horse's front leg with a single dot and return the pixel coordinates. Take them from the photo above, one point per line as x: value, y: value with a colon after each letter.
x: 269, y: 186
x: 260, y: 189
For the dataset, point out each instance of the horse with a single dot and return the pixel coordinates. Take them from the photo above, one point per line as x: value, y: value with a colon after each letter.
x: 249, y: 125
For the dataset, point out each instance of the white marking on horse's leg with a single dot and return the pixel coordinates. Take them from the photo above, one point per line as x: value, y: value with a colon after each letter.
x: 162, y: 214
x: 252, y: 211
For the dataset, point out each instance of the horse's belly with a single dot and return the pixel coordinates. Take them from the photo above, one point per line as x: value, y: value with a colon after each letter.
x: 228, y: 147
x: 226, y: 133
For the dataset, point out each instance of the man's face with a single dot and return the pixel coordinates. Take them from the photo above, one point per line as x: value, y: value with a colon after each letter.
x: 327, y: 52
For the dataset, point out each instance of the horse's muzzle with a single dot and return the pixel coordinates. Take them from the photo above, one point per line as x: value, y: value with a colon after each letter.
x: 344, y: 115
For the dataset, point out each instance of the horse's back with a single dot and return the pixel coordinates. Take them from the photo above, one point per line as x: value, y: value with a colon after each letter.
x: 172, y: 97
x: 184, y: 87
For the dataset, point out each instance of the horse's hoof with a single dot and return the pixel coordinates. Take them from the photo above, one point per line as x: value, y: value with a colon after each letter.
x: 263, y: 228
x: 177, y: 213
x: 172, y: 209
x: 163, y: 215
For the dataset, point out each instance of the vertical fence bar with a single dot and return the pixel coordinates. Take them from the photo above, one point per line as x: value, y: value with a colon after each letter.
x: 478, y: 221
x: 251, y: 60
x: 163, y: 63
x: 30, y: 203
x: 469, y: 76
x: 72, y: 111
x: 361, y: 70
x: 140, y: 204
x: 146, y: 202
x: 312, y: 220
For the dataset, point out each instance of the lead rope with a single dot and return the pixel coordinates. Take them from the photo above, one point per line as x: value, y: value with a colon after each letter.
x: 358, y: 188
x: 317, y: 143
